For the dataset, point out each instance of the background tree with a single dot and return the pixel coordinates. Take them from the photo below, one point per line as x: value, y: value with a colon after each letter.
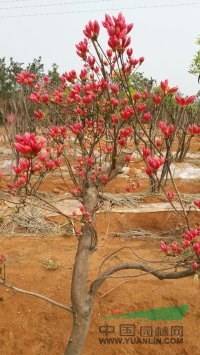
x: 195, y: 65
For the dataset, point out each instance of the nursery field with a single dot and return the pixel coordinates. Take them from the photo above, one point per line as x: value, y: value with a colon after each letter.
x: 39, y: 258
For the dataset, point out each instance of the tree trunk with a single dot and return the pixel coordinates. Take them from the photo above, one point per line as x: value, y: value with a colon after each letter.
x: 78, y: 335
x: 80, y: 297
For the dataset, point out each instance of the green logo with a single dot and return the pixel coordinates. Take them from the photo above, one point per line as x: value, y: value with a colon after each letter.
x: 164, y: 314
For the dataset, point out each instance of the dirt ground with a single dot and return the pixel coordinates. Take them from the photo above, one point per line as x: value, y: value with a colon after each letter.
x: 44, y: 264
x: 32, y: 326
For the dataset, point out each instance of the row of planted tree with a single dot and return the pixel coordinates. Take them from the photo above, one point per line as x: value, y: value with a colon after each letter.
x: 91, y: 123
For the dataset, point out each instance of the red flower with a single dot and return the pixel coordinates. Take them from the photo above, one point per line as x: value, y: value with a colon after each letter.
x: 92, y: 30
x: 157, y: 99
x: 115, y: 119
x: 141, y: 60
x: 26, y: 78
x: 117, y: 30
x: 29, y: 144
x: 148, y: 171
x: 49, y: 165
x: 158, y: 142
x: 104, y: 178
x: 146, y: 152
x: 35, y: 97
x: 46, y: 79
x: 164, y: 85
x: 82, y: 48
x: 76, y: 128
x: 38, y: 114
x: 45, y: 98
x: 146, y: 117
x: 195, y: 266
x: 164, y: 247
x: 10, y: 118
x: 129, y: 52
x: 166, y: 89
x: 185, y: 101
x: 127, y: 113
x: 170, y: 195
x: 197, y: 203
x: 196, y: 248
x: 194, y: 129
x: 175, y: 248
x: 141, y: 107
x: 136, y: 96
x: 128, y: 158
x: 155, y: 163
x: 167, y: 131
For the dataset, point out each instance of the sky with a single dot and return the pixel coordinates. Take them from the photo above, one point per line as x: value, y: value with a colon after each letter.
x: 164, y: 32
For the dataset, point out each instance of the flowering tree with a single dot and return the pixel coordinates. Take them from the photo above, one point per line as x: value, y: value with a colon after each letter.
x: 86, y: 125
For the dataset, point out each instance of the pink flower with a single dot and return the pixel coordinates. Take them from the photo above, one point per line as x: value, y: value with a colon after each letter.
x: 194, y: 129
x: 170, y: 195
x: 165, y: 87
x: 196, y: 248
x: 195, y: 266
x: 45, y: 98
x: 115, y: 119
x: 117, y: 30
x: 141, y: 60
x: 128, y: 158
x: 91, y: 30
x: 29, y: 144
x: 46, y: 79
x: 82, y: 48
x: 129, y: 52
x: 91, y: 161
x: 146, y: 152
x: 136, y: 96
x: 35, y: 97
x: 76, y: 128
x: 158, y: 143
x: 115, y: 89
x: 148, y: 171
x: 146, y: 117
x: 49, y: 165
x: 155, y: 163
x: 141, y: 107
x: 114, y: 102
x: 127, y: 113
x: 186, y: 244
x: 175, y: 248
x: 167, y: 130
x: 185, y: 101
x: 197, y: 203
x: 104, y: 178
x: 38, y: 114
x: 191, y: 234
x: 156, y: 99
x: 164, y: 247
x: 10, y: 118
x: 26, y: 78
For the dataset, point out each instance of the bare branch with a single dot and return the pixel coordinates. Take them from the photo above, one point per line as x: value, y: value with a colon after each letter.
x: 55, y: 303
x: 160, y: 274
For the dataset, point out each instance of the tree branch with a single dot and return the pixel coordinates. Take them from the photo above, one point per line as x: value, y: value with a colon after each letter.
x: 160, y: 274
x: 55, y: 303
